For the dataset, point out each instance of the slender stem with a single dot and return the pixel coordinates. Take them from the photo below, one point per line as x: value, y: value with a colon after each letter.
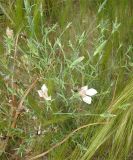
x: 20, y: 106
x: 19, y: 110
x: 14, y: 101
x: 64, y: 140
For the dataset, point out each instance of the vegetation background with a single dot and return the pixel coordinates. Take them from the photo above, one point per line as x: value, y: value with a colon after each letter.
x: 49, y: 42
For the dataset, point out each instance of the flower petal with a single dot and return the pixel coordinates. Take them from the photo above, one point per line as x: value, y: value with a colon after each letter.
x: 44, y: 88
x: 84, y: 88
x: 91, y: 92
x: 9, y: 32
x: 40, y: 92
x: 87, y: 99
x: 48, y: 98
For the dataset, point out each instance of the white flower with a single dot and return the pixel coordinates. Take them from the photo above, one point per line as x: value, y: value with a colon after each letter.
x: 86, y: 94
x: 9, y: 32
x: 43, y: 93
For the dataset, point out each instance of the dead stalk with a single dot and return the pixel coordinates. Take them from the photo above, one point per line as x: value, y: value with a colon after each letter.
x: 20, y: 106
x: 65, y: 139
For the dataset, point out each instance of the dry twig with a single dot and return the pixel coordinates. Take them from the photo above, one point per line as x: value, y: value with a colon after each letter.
x: 65, y: 139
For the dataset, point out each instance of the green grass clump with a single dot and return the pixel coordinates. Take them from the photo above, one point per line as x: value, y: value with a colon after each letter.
x: 66, y: 45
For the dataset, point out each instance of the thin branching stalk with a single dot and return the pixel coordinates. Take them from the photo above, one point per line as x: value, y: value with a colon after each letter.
x: 19, y: 110
x: 65, y: 139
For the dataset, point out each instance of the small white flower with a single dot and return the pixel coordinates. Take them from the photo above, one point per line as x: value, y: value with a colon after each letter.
x: 86, y: 94
x: 43, y: 93
x: 9, y: 33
